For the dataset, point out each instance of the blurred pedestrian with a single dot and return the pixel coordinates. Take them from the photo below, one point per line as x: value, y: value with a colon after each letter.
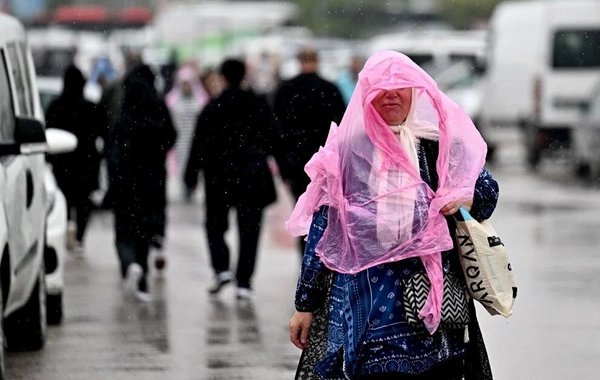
x: 144, y: 73
x: 107, y: 77
x: 77, y: 172
x: 305, y: 107
x: 168, y: 71
x: 137, y: 146
x: 232, y: 140
x: 212, y: 82
x: 185, y: 102
x: 349, y: 77
x: 381, y: 271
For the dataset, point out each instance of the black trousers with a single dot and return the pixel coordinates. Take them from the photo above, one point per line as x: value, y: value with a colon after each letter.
x: 83, y: 207
x: 249, y: 219
x: 133, y: 245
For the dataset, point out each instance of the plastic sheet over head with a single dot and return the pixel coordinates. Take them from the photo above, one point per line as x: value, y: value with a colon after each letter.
x: 347, y: 173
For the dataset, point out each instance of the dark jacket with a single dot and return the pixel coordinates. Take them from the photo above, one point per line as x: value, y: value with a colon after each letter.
x: 234, y: 135
x: 76, y: 172
x: 304, y: 108
x: 137, y: 146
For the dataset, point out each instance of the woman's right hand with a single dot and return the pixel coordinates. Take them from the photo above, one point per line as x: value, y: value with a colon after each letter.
x: 299, y: 328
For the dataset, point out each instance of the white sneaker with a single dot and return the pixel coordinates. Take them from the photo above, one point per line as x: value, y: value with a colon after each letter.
x: 221, y: 280
x: 244, y: 294
x: 144, y: 297
x: 134, y: 274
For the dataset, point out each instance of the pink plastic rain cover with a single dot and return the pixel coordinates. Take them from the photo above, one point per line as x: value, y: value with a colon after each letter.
x: 346, y: 176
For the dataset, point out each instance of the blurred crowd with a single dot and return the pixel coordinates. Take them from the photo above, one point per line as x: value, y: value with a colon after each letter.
x: 236, y: 126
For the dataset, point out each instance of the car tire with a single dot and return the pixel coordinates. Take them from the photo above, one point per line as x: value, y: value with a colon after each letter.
x: 26, y: 327
x: 54, y: 306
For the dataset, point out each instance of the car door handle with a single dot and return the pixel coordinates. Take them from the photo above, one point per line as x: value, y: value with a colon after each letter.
x: 30, y: 188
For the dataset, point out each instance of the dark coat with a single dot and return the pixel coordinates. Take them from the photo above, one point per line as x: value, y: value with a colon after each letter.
x: 77, y: 172
x: 234, y: 135
x: 304, y: 108
x: 137, y: 146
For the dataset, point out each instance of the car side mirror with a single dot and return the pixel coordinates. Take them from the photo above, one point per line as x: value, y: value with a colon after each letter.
x: 30, y: 135
x: 30, y: 138
x: 59, y: 141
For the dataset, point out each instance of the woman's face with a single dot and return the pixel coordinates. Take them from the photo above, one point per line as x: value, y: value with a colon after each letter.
x: 393, y: 105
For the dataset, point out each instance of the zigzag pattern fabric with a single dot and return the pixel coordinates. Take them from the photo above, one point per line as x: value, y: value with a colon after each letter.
x: 455, y: 310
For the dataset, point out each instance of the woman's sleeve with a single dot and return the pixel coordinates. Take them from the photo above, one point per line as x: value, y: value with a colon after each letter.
x: 485, y: 197
x: 313, y: 282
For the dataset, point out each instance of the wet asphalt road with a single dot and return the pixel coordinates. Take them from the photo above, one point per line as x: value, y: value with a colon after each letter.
x: 549, y: 222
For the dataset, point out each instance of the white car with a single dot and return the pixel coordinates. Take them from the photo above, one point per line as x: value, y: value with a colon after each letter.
x: 23, y: 199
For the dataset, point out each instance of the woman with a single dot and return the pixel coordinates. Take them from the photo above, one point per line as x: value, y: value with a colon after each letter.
x: 185, y: 102
x: 137, y: 144
x: 403, y: 160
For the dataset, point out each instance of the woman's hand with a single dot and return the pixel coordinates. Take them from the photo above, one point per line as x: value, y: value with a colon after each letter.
x: 299, y: 327
x: 452, y: 207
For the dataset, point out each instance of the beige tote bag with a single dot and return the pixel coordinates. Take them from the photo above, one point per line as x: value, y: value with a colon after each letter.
x: 487, y: 270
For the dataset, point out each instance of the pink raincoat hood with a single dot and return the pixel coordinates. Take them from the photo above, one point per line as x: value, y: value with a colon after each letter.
x: 346, y: 176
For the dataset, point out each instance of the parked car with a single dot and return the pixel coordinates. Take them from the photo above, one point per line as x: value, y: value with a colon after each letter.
x: 433, y: 47
x: 543, y: 62
x: 23, y: 199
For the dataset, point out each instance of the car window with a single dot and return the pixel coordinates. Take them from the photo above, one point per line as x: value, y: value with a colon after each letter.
x: 7, y: 114
x: 421, y: 59
x: 27, y: 75
x: 576, y: 49
x: 52, y: 62
x: 15, y: 66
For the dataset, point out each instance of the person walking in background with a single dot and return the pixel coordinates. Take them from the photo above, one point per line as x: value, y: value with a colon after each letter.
x: 144, y: 73
x: 137, y: 146
x: 168, y: 72
x: 77, y: 172
x: 185, y: 101
x: 213, y: 82
x: 349, y: 77
x: 233, y: 138
x: 305, y: 107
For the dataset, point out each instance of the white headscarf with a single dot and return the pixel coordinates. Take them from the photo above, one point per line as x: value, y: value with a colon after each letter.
x: 401, y: 198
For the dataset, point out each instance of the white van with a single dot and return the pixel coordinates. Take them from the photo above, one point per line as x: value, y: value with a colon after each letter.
x: 23, y: 198
x: 436, y: 48
x: 544, y: 59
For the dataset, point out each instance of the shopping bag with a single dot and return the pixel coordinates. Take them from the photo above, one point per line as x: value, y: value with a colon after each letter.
x: 486, y: 267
